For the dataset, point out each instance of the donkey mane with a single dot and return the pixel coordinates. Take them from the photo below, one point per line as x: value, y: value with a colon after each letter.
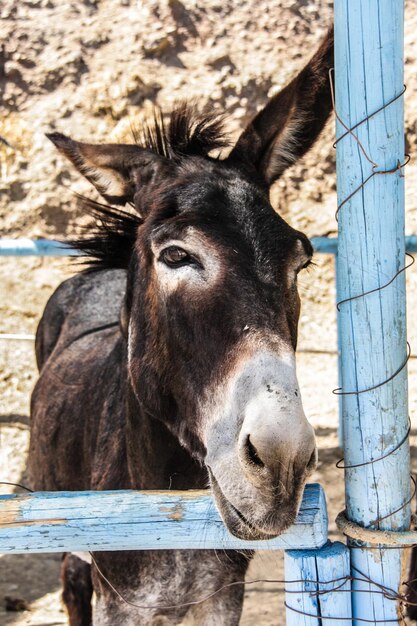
x: 188, y: 132
x: 109, y: 241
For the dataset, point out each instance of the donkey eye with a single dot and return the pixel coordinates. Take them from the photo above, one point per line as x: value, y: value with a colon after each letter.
x: 305, y: 266
x: 175, y: 257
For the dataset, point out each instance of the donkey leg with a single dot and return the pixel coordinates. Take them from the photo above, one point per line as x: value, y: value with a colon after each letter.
x: 77, y: 590
x: 412, y: 587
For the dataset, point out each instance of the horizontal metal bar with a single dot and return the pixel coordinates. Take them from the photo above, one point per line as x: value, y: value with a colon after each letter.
x: 35, y: 247
x: 16, y: 337
x: 48, y: 247
x: 328, y: 245
x: 325, y: 245
x: 140, y: 520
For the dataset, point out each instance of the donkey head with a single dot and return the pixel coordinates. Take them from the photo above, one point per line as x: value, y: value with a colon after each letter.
x: 212, y: 307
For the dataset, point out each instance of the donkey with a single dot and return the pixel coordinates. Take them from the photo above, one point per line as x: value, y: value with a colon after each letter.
x: 169, y: 363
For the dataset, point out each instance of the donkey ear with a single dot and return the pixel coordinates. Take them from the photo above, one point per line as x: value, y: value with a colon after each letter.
x: 291, y: 121
x: 106, y: 166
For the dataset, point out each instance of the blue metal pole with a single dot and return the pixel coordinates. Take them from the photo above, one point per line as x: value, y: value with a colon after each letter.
x: 369, y: 73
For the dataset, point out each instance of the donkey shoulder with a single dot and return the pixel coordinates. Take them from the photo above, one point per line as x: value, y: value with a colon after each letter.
x: 77, y: 408
x: 81, y: 304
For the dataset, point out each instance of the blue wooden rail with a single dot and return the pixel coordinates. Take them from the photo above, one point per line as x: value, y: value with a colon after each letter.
x: 48, y: 247
x: 140, y: 520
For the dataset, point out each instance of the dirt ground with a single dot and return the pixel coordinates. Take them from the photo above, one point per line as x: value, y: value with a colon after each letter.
x: 91, y: 68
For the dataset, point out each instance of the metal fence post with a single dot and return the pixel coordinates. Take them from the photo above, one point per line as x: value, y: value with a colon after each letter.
x: 369, y: 75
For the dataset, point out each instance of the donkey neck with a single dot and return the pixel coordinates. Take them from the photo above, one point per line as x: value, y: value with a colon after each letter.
x: 156, y: 459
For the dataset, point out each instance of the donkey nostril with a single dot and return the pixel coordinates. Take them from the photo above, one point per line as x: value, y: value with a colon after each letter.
x: 253, y: 454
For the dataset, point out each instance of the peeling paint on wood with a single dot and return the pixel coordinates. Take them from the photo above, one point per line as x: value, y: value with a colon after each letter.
x: 18, y: 523
x: 323, y: 571
x: 176, y: 513
x: 135, y: 520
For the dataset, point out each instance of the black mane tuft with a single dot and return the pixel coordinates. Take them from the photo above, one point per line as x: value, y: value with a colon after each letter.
x: 110, y: 240
x: 188, y: 132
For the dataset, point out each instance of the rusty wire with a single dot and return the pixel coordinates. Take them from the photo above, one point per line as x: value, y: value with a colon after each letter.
x: 381, y: 108
x: 341, y: 581
x: 349, y: 131
x: 5, y: 482
x: 366, y: 293
x: 339, y: 391
x: 341, y: 619
x: 398, y: 168
x: 339, y: 464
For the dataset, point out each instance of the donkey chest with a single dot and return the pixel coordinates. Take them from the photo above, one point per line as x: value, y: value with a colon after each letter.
x: 161, y: 587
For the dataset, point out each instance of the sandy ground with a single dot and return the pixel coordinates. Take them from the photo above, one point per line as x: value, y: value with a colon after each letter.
x: 91, y: 68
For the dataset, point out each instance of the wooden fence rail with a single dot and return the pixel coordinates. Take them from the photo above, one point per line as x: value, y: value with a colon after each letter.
x: 140, y: 520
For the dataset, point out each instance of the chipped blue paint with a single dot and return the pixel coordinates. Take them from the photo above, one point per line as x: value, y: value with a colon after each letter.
x: 140, y: 520
x: 323, y: 571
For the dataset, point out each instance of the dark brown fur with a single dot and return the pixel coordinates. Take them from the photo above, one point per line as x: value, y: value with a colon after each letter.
x: 125, y: 366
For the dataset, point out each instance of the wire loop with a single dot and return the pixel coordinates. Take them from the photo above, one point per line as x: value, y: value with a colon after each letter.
x: 366, y: 293
x: 339, y: 391
x: 340, y: 464
x: 376, y: 537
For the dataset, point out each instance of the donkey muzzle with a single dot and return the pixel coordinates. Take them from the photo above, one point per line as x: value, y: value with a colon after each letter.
x: 260, y: 448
